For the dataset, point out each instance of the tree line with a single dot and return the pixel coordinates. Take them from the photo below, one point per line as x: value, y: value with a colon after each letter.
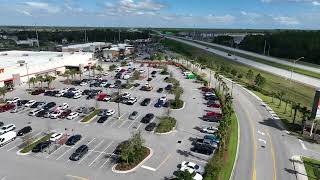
x: 282, y: 44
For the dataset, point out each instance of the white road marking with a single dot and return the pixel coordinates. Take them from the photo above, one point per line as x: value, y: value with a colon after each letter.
x: 149, y: 168
x: 106, y: 161
x: 262, y: 133
x: 264, y: 141
x: 90, y: 152
x: 133, y: 121
x: 302, y: 144
x: 101, y: 153
x: 54, y: 151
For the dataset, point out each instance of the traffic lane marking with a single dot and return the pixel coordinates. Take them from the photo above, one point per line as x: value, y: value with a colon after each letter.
x: 303, y: 145
x: 148, y: 168
x: 273, y: 158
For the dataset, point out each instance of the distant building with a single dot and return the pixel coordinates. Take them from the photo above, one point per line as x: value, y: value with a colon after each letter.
x: 28, y: 42
x: 118, y: 51
x: 87, y: 47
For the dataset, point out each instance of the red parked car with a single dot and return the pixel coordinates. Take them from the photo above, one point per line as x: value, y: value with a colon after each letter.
x: 65, y: 113
x: 215, y: 105
x: 103, y: 97
x: 211, y: 113
x: 7, y: 107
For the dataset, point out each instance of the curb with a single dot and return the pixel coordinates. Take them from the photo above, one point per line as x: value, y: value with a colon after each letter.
x: 22, y: 154
x: 172, y: 130
x: 89, y: 120
x: 135, y: 168
x: 236, y: 158
x: 299, y: 167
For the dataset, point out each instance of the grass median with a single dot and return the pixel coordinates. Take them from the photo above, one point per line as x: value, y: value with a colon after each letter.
x: 231, y: 152
x: 166, y: 125
x: 29, y: 147
x: 312, y: 168
x: 89, y: 117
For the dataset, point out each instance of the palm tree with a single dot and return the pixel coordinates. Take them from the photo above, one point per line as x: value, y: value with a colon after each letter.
x: 73, y: 73
x: 80, y: 74
x: 3, y: 91
x: 40, y: 79
x: 100, y: 69
x: 93, y: 68
x: 32, y: 81
x: 296, y: 108
x: 67, y: 74
x: 280, y: 95
x: 285, y: 108
x: 49, y: 79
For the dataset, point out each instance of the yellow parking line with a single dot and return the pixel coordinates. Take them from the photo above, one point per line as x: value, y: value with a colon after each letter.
x: 273, y: 158
x: 77, y: 177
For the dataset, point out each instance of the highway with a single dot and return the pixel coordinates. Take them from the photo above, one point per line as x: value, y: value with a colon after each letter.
x: 313, y: 82
x: 268, y: 58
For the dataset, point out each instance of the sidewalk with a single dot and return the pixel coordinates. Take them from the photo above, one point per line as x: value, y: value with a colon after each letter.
x: 299, y: 168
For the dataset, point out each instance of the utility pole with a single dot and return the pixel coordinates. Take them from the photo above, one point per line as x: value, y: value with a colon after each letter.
x: 264, y: 48
x: 119, y: 114
x: 85, y: 34
x: 37, y: 38
x: 119, y: 36
x: 210, y: 79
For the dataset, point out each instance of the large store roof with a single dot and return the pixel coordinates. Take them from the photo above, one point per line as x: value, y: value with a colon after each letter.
x: 12, y: 58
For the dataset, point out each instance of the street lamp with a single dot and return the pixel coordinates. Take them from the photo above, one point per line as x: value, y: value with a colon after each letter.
x: 294, y: 63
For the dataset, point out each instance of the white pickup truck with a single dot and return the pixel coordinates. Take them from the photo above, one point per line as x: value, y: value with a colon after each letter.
x: 7, y: 138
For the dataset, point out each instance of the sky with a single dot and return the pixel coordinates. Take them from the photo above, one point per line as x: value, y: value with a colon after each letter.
x: 243, y: 14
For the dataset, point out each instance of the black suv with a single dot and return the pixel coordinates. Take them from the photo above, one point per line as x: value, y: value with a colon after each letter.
x: 79, y: 153
x: 49, y: 105
x: 145, y: 102
x: 24, y: 131
x: 146, y: 119
x: 203, y: 149
x: 41, y: 113
x: 150, y: 126
x: 73, y: 140
x: 41, y: 146
x: 102, y: 119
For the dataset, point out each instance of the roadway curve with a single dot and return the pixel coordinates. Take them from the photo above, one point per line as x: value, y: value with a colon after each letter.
x: 313, y: 82
x: 268, y: 58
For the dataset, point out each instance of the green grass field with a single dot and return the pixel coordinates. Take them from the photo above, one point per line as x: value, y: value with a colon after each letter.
x: 263, y: 61
x: 312, y: 167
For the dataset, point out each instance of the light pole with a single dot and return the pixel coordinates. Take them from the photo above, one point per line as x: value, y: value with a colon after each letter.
x: 294, y: 63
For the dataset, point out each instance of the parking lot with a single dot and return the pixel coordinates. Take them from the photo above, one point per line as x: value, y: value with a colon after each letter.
x: 102, y: 138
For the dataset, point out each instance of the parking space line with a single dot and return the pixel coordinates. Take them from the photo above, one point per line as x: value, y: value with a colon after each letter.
x: 91, y: 151
x: 106, y: 161
x: 54, y: 151
x: 69, y: 149
x: 165, y: 159
x: 133, y: 121
x: 149, y: 168
x: 101, y: 153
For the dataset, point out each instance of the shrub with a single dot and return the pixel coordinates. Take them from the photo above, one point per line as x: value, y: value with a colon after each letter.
x: 176, y: 103
x: 166, y: 124
x: 112, y: 67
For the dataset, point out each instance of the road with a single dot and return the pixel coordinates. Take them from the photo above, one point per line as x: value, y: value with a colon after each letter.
x: 265, y: 148
x: 313, y: 82
x: 268, y: 58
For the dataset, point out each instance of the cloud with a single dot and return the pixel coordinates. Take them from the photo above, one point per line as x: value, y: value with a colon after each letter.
x: 312, y: 2
x: 288, y: 21
x: 33, y: 5
x: 225, y: 19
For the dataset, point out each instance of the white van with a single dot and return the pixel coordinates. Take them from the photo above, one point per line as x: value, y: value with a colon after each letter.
x: 7, y: 138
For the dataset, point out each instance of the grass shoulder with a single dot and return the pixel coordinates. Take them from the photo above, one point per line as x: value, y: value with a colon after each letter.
x: 312, y: 167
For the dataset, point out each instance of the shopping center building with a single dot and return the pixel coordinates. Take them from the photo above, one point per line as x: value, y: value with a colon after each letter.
x: 16, y: 67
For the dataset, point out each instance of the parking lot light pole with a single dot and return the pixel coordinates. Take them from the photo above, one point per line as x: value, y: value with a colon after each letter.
x: 119, y: 114
x: 294, y: 63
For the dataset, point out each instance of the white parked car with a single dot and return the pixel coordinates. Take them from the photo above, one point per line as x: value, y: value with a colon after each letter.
x: 209, y: 94
x: 132, y: 100
x: 7, y: 137
x: 77, y: 96
x: 106, y: 74
x: 30, y: 103
x: 73, y: 115
x: 7, y: 128
x: 55, y: 114
x: 14, y: 100
x: 107, y: 98
x: 63, y: 106
x: 163, y: 99
x: 34, y: 112
x: 60, y: 93
x: 126, y: 76
x: 197, y: 176
x: 191, y: 167
x: 55, y: 137
x: 83, y: 83
x: 103, y: 83
x: 126, y: 95
x: 209, y: 129
x: 110, y: 112
x: 141, y: 71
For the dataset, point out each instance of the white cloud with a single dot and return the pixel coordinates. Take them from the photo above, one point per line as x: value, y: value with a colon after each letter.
x: 313, y: 2
x: 316, y: 3
x: 288, y: 21
x: 225, y: 19
x: 32, y: 5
